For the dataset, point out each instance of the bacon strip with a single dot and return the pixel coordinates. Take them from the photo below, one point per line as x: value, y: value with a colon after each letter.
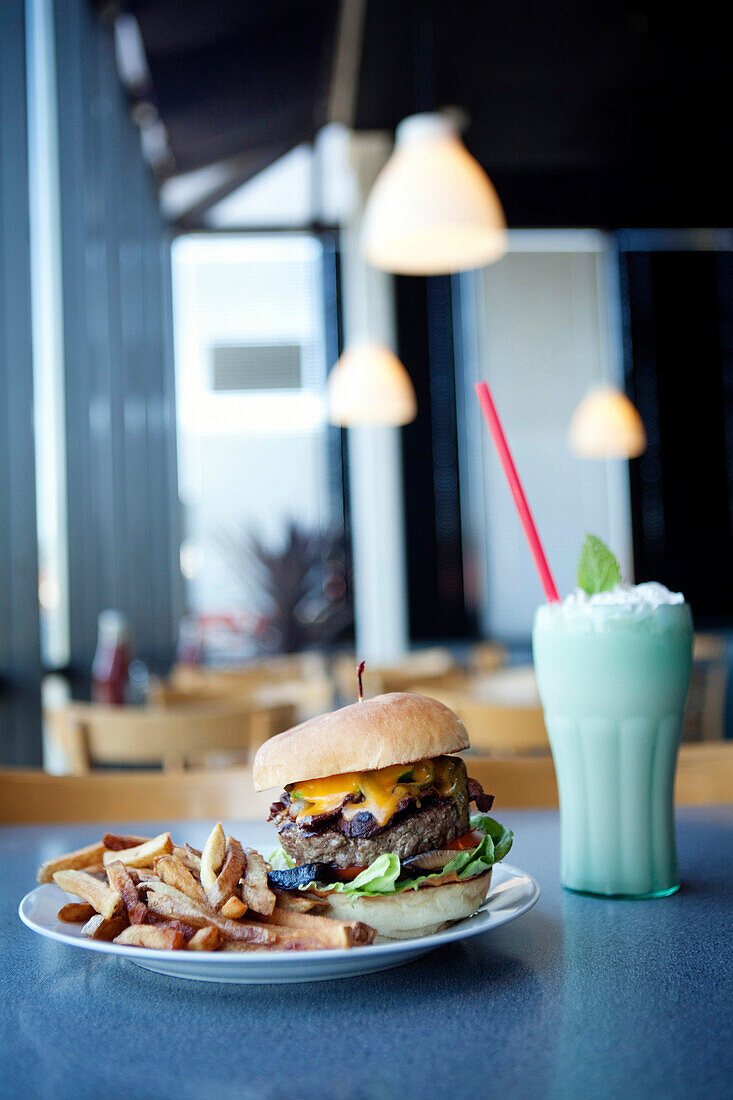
x: 363, y: 825
x: 484, y: 802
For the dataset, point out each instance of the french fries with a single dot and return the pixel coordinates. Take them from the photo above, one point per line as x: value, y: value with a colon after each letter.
x: 188, y: 857
x: 81, y: 859
x: 152, y: 935
x: 138, y: 874
x: 333, y: 933
x: 175, y: 905
x: 212, y: 856
x: 75, y: 912
x: 141, y: 855
x: 120, y: 880
x: 187, y: 930
x: 106, y: 901
x: 194, y: 858
x: 207, y: 938
x: 256, y: 894
x: 223, y: 887
x: 234, y: 908
x: 172, y: 897
x: 100, y: 928
x: 172, y: 871
x: 298, y: 904
x: 113, y: 842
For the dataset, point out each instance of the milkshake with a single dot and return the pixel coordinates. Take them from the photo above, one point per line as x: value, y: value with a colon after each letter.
x: 613, y: 667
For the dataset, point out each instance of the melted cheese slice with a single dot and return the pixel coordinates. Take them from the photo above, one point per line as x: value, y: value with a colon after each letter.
x: 382, y: 790
x: 325, y: 795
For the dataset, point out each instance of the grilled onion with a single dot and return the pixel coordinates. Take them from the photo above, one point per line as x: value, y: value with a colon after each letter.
x: 431, y: 861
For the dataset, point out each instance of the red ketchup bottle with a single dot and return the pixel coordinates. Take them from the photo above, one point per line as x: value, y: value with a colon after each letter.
x: 110, y: 670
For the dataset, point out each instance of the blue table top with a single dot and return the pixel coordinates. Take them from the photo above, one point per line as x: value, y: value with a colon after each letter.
x: 581, y: 997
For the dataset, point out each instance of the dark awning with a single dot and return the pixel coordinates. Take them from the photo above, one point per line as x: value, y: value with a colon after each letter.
x: 611, y: 113
x: 231, y: 77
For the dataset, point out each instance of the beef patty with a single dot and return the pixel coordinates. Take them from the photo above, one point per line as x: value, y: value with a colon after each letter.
x: 417, y: 830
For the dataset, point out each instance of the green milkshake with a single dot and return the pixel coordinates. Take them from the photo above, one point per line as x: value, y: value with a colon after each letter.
x: 613, y: 666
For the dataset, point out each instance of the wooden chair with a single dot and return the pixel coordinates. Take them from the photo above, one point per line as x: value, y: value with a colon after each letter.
x: 113, y: 797
x: 486, y: 657
x: 249, y: 677
x: 704, y: 777
x: 426, y: 665
x: 509, y: 730
x: 495, y: 729
x: 705, y: 710
x: 306, y: 697
x: 302, y: 680
x: 88, y: 735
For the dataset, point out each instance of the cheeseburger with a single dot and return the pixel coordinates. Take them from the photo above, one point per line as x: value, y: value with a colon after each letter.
x: 375, y: 815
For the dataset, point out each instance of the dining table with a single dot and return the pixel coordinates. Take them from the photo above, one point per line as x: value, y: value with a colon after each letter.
x: 580, y: 997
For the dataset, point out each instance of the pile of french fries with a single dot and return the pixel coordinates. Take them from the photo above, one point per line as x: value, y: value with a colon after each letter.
x: 150, y: 892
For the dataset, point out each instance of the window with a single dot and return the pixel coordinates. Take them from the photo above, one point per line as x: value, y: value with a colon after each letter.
x: 542, y: 327
x: 255, y: 451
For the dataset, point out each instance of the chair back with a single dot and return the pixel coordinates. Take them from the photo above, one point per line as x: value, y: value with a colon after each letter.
x: 486, y: 657
x: 89, y: 735
x: 425, y: 665
x: 301, y: 679
x: 112, y: 797
x: 704, y: 777
x: 250, y: 676
x: 307, y: 697
x: 495, y: 729
x: 507, y: 730
x: 706, y: 699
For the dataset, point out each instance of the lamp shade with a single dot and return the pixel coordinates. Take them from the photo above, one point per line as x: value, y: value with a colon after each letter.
x: 432, y: 209
x: 369, y: 385
x: 606, y: 425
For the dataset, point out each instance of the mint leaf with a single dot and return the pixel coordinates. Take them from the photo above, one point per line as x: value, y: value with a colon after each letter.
x: 598, y: 570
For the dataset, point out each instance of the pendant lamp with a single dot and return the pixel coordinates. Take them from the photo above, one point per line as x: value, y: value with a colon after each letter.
x: 432, y: 209
x: 369, y: 385
x: 606, y: 425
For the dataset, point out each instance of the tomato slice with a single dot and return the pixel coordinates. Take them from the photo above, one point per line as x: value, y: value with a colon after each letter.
x: 347, y: 874
x: 471, y: 839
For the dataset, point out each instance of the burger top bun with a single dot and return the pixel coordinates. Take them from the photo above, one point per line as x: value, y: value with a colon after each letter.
x: 398, y: 728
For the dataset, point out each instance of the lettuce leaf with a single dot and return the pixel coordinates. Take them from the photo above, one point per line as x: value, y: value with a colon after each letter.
x: 280, y: 860
x: 501, y: 837
x: 382, y: 876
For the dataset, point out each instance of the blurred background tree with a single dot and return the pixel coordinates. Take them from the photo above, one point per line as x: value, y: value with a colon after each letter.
x: 303, y: 585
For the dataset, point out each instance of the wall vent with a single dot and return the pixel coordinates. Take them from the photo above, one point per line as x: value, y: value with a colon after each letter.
x: 247, y: 368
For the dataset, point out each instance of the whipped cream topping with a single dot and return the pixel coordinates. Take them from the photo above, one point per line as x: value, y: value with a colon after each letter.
x: 626, y: 597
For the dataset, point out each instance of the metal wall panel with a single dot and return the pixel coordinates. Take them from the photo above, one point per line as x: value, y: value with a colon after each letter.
x: 20, y: 662
x: 122, y: 499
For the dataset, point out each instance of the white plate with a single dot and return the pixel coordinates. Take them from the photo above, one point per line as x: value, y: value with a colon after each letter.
x: 512, y: 893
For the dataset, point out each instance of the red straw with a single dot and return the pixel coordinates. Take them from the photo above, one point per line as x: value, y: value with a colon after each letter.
x: 497, y: 432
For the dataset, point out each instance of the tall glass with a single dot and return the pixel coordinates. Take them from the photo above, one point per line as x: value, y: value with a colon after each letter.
x: 613, y: 679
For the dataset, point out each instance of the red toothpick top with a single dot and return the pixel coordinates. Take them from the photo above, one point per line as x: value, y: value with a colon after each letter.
x: 360, y: 673
x: 505, y: 456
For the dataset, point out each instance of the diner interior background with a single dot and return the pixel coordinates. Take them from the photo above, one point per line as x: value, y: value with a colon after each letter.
x: 176, y: 192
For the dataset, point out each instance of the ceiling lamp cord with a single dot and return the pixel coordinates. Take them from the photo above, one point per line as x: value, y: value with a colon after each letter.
x: 424, y: 57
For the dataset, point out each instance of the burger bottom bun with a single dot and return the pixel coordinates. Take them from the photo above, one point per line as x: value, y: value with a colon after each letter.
x: 414, y: 912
